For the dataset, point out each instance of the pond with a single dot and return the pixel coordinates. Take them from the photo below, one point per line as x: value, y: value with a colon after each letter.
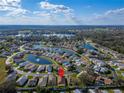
x: 62, y: 51
x: 38, y: 60
x: 37, y: 46
x: 89, y: 46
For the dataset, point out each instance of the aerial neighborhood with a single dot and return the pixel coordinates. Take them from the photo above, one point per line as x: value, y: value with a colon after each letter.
x: 57, y: 62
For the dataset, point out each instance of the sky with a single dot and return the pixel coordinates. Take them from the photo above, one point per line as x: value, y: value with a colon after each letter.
x: 61, y: 12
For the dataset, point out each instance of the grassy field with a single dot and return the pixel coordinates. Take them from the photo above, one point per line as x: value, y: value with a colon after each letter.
x: 2, y: 70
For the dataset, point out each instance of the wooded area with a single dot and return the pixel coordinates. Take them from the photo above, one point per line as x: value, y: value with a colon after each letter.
x: 111, y: 39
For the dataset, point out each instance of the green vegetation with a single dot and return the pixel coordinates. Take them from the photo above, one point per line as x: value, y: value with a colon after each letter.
x: 120, y: 74
x: 111, y: 39
x: 110, y: 91
x: 8, y: 87
x: 2, y: 70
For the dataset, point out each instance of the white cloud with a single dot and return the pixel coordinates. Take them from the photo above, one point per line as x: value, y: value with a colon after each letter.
x: 7, y: 5
x: 54, y: 8
x: 110, y: 17
x: 17, y: 12
x: 26, y: 20
x: 115, y: 12
x: 57, y: 10
x: 111, y: 14
x: 49, y: 14
x: 12, y: 7
x: 43, y: 13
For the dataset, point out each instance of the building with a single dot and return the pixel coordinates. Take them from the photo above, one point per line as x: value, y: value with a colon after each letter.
x: 43, y: 81
x: 62, y: 81
x: 49, y: 68
x: 22, y: 80
x: 33, y: 82
x: 41, y: 68
x: 52, y: 80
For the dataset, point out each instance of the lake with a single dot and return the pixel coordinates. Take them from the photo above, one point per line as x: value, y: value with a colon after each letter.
x: 59, y: 35
x: 38, y: 60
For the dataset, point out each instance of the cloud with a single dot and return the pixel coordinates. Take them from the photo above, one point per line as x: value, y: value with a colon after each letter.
x: 17, y: 12
x: 49, y: 13
x: 110, y: 17
x: 7, y: 5
x: 55, y: 8
x: 111, y: 13
x: 115, y: 12
x: 12, y: 7
x: 27, y: 20
x: 59, y: 10
x: 43, y: 13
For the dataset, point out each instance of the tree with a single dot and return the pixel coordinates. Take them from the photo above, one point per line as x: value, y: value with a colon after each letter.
x: 8, y: 87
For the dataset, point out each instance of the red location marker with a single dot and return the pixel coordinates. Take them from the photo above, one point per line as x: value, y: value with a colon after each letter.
x: 61, y: 72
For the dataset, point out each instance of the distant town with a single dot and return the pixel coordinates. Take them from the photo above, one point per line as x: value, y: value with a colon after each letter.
x: 62, y: 59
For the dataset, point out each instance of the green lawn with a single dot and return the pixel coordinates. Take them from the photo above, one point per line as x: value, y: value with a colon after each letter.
x: 110, y: 91
x: 2, y: 70
x: 120, y: 74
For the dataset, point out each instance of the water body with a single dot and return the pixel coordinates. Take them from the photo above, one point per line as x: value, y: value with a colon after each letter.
x: 59, y: 35
x: 89, y: 46
x: 38, y: 60
x: 38, y: 46
x: 60, y: 50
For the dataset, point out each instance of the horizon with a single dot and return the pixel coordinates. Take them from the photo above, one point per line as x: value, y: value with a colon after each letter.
x: 62, y: 12
x: 54, y: 25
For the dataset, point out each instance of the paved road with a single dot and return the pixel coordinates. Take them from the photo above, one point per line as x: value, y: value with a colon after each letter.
x: 9, y: 58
